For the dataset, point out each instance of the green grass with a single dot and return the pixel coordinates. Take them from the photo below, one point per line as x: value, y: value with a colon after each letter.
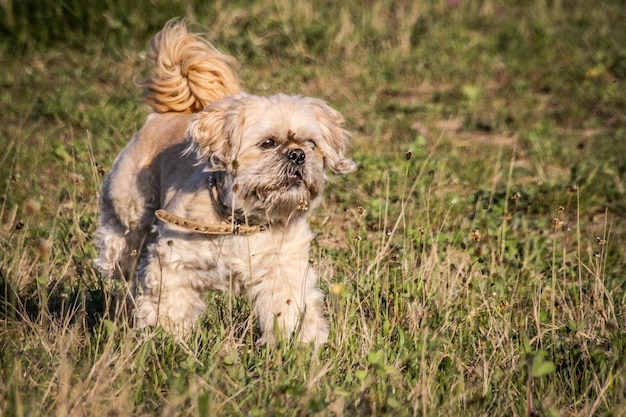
x: 474, y: 265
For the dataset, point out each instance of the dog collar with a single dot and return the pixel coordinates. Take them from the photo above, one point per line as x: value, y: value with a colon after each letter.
x: 233, y: 228
x: 219, y: 207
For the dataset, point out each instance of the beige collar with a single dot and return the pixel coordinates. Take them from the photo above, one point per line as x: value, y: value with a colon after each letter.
x: 232, y: 228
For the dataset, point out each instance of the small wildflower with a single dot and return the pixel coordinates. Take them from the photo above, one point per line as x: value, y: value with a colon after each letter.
x: 475, y: 235
x: 560, y: 209
x: 516, y: 196
x: 596, y: 254
x: 388, y: 232
x: 504, y: 304
x: 362, y: 211
x: 421, y: 231
x: 600, y: 241
x: 336, y: 289
x: 358, y: 238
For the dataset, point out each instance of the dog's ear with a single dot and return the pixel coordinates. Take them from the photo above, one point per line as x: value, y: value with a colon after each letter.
x: 212, y: 129
x: 336, y: 137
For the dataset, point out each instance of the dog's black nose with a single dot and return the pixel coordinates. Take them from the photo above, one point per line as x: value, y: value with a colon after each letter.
x: 296, y: 156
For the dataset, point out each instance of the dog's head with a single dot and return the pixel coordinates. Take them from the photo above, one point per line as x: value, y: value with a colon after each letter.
x: 273, y: 151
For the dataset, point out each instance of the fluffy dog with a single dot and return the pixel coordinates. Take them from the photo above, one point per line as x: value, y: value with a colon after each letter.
x: 214, y: 192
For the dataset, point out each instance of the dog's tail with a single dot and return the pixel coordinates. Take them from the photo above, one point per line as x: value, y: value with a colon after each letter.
x: 189, y: 72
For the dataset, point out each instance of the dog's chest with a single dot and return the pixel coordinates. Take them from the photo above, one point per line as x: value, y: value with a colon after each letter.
x: 226, y: 263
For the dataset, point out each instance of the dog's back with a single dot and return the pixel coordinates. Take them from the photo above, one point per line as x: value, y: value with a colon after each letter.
x: 188, y: 74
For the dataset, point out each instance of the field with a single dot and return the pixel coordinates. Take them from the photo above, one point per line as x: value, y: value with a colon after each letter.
x: 474, y: 265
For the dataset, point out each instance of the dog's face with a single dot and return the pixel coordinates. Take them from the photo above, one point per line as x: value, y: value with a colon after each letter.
x: 273, y: 152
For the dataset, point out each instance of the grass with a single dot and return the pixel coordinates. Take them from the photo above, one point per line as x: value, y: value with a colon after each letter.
x: 473, y: 265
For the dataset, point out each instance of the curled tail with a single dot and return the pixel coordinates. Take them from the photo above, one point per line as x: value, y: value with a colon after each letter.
x: 189, y: 72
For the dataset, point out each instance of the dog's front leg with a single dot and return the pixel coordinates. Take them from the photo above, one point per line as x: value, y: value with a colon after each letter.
x: 168, y: 296
x: 287, y: 299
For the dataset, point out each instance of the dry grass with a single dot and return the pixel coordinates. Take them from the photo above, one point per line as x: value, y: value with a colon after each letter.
x: 473, y: 265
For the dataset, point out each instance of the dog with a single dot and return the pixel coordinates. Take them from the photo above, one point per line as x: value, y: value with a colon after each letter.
x: 214, y: 192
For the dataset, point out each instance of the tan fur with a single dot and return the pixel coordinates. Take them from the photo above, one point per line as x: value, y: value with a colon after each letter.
x: 211, y: 154
x: 189, y: 72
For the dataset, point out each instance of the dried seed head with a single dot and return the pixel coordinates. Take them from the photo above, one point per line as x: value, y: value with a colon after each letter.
x: 31, y: 207
x: 560, y: 209
x: 362, y: 211
x: 101, y: 170
x: 557, y: 223
x: 76, y: 178
x: 600, y: 241
x: 43, y: 248
x: 516, y: 196
x: 431, y: 173
x: 596, y: 254
x: 133, y: 253
x: 421, y: 230
x: 19, y: 225
x: 475, y: 235
x: 388, y: 231
x: 358, y: 238
x: 572, y: 188
x: 170, y: 242
x: 408, y: 155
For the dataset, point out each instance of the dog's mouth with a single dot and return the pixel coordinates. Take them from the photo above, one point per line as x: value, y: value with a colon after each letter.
x: 294, y: 178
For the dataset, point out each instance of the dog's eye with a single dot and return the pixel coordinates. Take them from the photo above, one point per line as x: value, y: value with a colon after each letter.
x: 269, y: 143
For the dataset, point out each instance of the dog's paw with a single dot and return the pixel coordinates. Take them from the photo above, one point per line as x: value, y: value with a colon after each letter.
x: 314, y: 330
